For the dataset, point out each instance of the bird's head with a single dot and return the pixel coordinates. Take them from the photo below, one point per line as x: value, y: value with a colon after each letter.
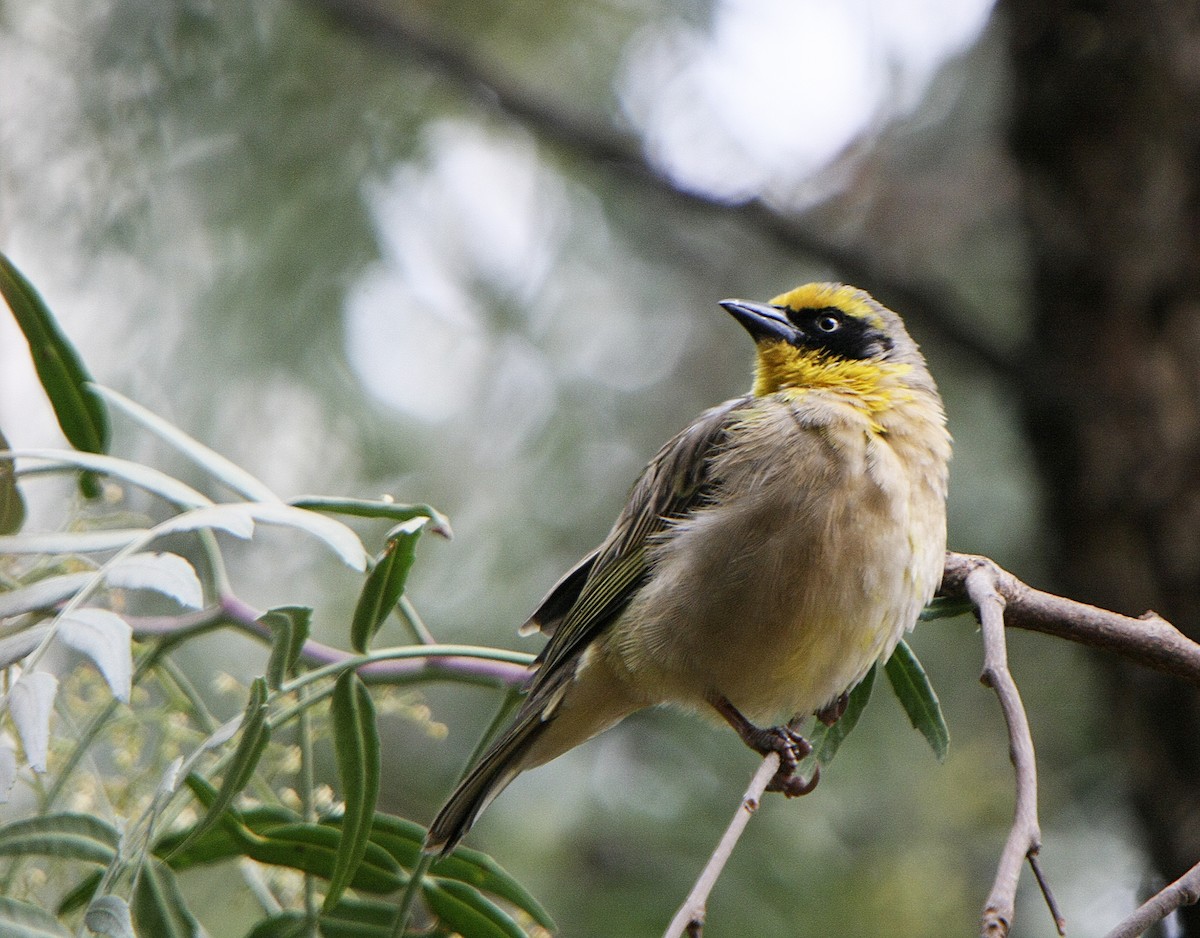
x: 834, y: 337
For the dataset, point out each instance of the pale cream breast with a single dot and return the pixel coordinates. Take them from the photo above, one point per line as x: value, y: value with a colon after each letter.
x: 827, y: 541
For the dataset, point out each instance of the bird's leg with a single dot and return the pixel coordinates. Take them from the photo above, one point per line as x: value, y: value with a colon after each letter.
x: 791, y: 746
x: 832, y: 711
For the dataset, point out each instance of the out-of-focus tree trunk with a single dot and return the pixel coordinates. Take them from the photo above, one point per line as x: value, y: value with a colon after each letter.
x: 1106, y: 134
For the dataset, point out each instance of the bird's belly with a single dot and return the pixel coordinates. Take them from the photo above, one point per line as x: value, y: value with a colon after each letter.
x: 779, y: 607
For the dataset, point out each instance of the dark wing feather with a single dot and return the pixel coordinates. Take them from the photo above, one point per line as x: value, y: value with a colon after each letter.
x: 598, y: 589
x: 558, y: 602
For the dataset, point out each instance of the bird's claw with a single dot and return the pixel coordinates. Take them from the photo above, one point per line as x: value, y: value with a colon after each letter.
x: 792, y: 748
x: 792, y: 785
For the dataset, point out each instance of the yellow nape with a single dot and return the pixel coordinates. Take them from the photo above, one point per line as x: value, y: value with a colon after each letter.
x: 869, y: 384
x: 851, y: 300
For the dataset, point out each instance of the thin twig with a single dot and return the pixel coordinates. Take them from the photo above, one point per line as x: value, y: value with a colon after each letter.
x: 1024, y: 838
x: 689, y: 920
x: 1184, y: 891
x: 1149, y: 640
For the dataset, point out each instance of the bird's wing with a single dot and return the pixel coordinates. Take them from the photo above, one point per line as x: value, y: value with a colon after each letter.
x: 594, y: 592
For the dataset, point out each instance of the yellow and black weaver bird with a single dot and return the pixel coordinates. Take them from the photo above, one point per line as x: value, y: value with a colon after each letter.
x: 767, y: 557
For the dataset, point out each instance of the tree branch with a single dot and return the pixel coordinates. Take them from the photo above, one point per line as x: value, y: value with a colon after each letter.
x: 689, y: 920
x: 1149, y: 640
x: 1024, y: 838
x: 622, y: 153
x: 1184, y: 891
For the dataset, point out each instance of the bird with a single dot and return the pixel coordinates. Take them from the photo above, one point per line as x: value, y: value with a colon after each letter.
x: 766, y: 558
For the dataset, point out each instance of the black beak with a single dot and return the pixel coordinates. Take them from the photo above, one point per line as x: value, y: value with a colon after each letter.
x: 764, y: 323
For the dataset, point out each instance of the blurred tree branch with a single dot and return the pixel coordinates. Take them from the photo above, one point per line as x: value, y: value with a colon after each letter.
x: 403, y: 34
x: 1003, y: 601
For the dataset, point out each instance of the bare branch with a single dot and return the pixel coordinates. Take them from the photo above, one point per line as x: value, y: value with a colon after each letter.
x: 689, y: 920
x: 1149, y: 640
x: 1184, y: 891
x: 1025, y: 838
x: 399, y: 32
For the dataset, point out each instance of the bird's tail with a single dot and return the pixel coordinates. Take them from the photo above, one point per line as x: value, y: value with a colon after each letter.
x: 488, y: 777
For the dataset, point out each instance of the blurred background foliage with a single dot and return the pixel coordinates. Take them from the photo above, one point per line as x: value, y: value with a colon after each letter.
x: 469, y: 253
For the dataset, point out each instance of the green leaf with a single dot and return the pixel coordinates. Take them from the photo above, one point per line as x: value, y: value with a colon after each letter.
x: 66, y: 836
x: 271, y: 835
x: 826, y: 740
x: 289, y: 627
x: 356, y: 745
x: 255, y: 734
x: 314, y: 849
x: 944, y: 607
x: 385, y: 582
x: 917, y: 696
x: 281, y: 925
x: 165, y: 573
x: 467, y: 912
x: 12, y: 505
x: 370, y: 508
x: 185, y: 848
x: 152, y: 480
x: 22, y: 920
x: 358, y: 918
x: 71, y: 542
x: 339, y: 537
x: 107, y: 640
x: 403, y: 839
x: 81, y: 895
x: 81, y: 414
x: 220, y: 468
x: 159, y: 908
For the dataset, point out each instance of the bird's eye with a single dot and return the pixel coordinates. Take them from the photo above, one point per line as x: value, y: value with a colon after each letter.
x: 829, y: 324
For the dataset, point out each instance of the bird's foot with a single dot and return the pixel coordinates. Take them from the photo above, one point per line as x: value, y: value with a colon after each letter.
x: 832, y: 711
x: 790, y: 745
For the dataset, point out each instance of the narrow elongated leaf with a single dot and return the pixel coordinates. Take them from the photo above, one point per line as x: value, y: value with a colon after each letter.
x: 356, y: 744
x: 371, y: 508
x: 81, y: 895
x: 918, y: 698
x: 256, y: 733
x: 22, y: 920
x: 403, y: 839
x: 82, y: 416
x: 229, y: 473
x: 481, y: 871
x: 159, y: 908
x: 359, y: 918
x: 43, y: 594
x: 385, y: 583
x: 151, y: 480
x: 289, y: 627
x: 107, y: 639
x: 71, y: 542
x: 184, y: 848
x: 109, y: 916
x: 233, y: 519
x: 12, y: 504
x: 826, y: 740
x: 344, y: 541
x: 467, y: 911
x: 264, y: 835
x: 943, y: 607
x: 282, y: 925
x: 66, y: 836
x: 19, y: 644
x: 30, y: 703
x: 317, y: 850
x: 164, y: 573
